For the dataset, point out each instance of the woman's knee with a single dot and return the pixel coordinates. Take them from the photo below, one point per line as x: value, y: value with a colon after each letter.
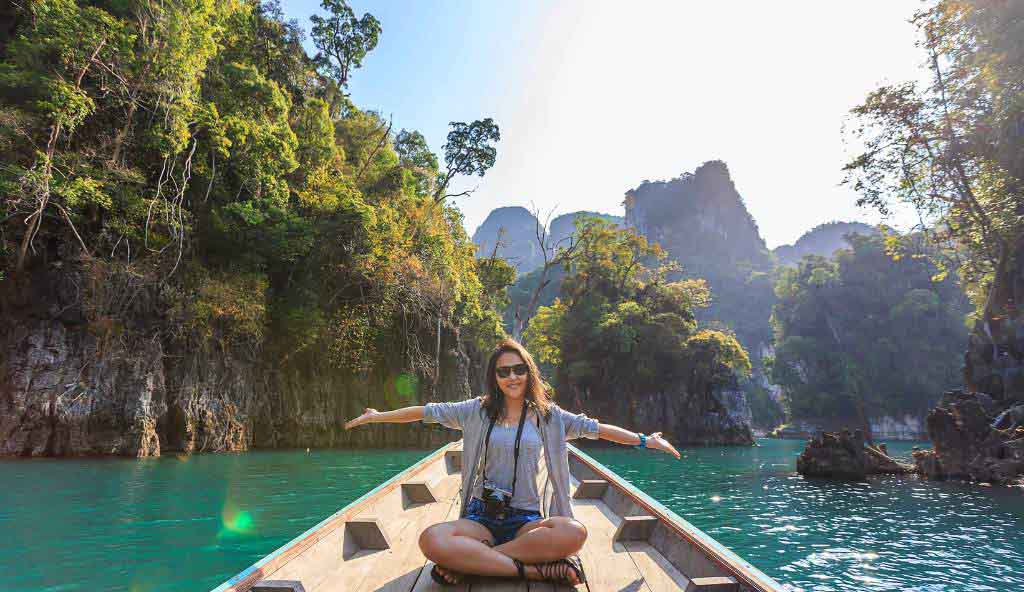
x: 576, y: 534
x: 432, y: 541
x: 570, y: 534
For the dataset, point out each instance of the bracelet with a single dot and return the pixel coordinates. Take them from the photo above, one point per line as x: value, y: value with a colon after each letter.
x: 643, y: 441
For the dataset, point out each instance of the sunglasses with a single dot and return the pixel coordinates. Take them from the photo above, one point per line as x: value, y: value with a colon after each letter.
x: 519, y: 369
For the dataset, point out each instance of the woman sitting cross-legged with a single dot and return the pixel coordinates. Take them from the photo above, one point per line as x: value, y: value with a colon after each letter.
x: 516, y: 518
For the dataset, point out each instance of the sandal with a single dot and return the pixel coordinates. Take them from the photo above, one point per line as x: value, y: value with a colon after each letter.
x: 522, y: 571
x: 437, y: 577
x: 558, y: 571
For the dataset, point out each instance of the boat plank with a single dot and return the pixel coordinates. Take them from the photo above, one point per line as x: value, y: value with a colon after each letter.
x: 424, y: 583
x: 399, y: 570
x: 501, y: 585
x: 660, y: 575
x: 607, y: 564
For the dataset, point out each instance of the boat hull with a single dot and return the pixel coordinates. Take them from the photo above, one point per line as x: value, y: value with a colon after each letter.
x: 633, y: 543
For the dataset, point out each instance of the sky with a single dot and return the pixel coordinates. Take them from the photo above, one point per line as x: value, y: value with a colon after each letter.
x: 593, y: 97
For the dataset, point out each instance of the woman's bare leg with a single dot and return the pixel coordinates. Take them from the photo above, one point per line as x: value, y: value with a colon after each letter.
x: 546, y: 540
x: 457, y: 546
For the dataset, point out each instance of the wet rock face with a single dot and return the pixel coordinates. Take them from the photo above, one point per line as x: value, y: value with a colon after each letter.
x: 685, y: 418
x: 973, y: 439
x: 70, y: 388
x: 73, y: 388
x: 68, y: 392
x: 841, y: 455
x: 976, y: 431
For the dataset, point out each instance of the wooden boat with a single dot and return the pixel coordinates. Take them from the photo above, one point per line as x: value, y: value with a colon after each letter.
x: 634, y: 543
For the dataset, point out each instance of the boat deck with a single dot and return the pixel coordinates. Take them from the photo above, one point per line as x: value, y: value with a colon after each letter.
x: 372, y: 544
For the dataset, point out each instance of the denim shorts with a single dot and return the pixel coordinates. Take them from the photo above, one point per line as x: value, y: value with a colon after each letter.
x: 502, y: 530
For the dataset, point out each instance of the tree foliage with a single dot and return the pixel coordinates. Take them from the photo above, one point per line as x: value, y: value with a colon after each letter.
x: 468, y: 151
x: 196, y: 140
x: 619, y: 320
x: 863, y: 334
x: 952, y: 149
x: 342, y: 40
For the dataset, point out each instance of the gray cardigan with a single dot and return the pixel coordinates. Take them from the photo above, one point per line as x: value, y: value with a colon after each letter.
x: 559, y: 426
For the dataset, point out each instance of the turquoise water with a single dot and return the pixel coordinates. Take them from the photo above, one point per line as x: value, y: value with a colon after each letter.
x: 190, y: 523
x: 891, y: 533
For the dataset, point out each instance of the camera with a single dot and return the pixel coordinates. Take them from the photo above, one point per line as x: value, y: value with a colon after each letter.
x: 496, y: 502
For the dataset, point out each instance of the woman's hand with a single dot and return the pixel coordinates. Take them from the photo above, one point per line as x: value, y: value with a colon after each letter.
x: 366, y: 417
x: 656, y: 442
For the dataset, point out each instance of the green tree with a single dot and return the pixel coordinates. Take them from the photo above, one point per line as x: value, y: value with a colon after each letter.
x: 863, y: 335
x: 952, y: 149
x: 343, y: 40
x: 620, y: 320
x: 468, y: 151
x: 415, y: 155
x: 189, y: 150
x: 54, y: 71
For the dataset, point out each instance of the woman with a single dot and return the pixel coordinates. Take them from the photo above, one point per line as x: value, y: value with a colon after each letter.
x: 511, y: 438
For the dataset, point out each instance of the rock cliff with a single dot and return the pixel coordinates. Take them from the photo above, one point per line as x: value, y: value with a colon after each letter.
x: 823, y: 240
x: 700, y: 219
x: 514, y: 229
x: 976, y: 431
x: 721, y: 417
x: 71, y: 387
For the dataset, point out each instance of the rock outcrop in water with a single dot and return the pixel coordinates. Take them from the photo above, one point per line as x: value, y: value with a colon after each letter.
x: 976, y: 431
x: 973, y: 440
x: 841, y: 455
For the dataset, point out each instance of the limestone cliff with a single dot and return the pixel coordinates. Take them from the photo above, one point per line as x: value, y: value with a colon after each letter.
x: 563, y: 227
x: 72, y: 387
x: 514, y: 230
x: 721, y: 417
x: 823, y: 240
x: 701, y: 220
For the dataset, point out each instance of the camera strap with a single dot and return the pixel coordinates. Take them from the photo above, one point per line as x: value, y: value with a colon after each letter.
x: 519, y: 435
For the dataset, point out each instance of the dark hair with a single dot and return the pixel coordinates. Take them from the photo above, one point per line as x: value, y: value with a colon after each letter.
x: 536, y: 389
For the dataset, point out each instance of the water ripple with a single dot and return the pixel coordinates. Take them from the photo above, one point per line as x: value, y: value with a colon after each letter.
x: 891, y: 533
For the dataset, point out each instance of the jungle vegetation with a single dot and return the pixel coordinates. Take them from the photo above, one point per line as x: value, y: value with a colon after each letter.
x: 867, y: 333
x: 952, y: 149
x: 620, y: 322
x: 193, y: 151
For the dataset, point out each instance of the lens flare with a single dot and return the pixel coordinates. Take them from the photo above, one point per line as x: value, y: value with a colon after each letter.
x: 405, y: 391
x: 406, y: 384
x: 235, y: 521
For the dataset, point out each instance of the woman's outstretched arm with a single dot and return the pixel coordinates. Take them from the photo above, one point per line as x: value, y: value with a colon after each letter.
x: 403, y: 415
x: 613, y: 433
